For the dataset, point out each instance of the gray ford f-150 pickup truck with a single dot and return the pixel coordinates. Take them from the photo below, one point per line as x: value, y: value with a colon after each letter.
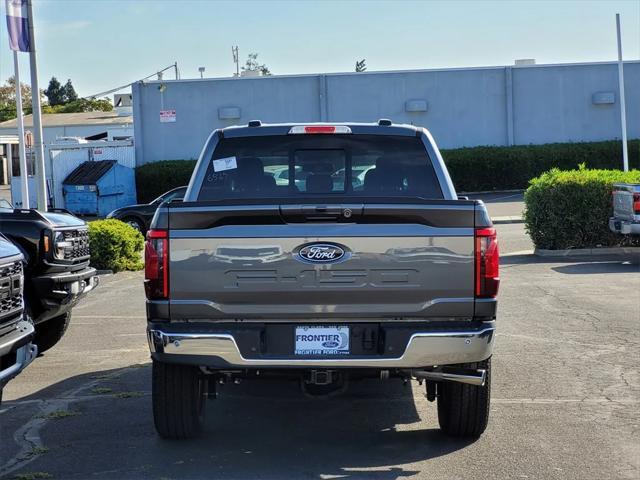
x: 363, y: 262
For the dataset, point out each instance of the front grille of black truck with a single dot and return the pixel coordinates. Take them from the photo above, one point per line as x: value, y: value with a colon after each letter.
x: 10, y: 292
x: 78, y: 241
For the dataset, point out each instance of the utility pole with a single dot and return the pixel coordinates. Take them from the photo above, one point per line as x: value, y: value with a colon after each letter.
x: 623, y: 109
x: 234, y: 52
x: 175, y: 66
x: 38, y: 146
x: 24, y: 171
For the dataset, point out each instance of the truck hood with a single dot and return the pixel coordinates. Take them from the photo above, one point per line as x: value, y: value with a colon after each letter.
x: 7, y: 249
x: 63, y: 219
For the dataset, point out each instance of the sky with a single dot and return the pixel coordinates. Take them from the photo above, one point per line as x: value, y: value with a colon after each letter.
x: 102, y: 44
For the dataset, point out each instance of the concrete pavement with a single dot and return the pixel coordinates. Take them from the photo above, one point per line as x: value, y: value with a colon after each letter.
x: 504, y: 207
x: 565, y: 398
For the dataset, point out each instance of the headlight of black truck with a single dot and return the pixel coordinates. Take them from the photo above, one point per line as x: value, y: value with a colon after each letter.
x: 60, y: 245
x: 69, y: 245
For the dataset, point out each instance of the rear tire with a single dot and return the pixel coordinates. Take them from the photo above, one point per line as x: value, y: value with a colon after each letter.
x: 50, y: 332
x: 178, y: 400
x: 463, y: 410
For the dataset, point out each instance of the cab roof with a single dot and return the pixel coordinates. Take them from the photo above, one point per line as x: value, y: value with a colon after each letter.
x: 256, y: 128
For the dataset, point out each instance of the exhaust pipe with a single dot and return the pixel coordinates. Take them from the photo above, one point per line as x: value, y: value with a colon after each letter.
x: 472, y: 377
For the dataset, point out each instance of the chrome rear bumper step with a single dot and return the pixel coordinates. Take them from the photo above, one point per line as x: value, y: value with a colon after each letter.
x: 424, y: 349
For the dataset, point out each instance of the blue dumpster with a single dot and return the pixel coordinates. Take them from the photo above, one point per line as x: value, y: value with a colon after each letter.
x: 97, y: 188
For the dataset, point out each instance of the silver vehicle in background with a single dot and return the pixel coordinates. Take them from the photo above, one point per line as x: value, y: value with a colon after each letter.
x: 626, y: 209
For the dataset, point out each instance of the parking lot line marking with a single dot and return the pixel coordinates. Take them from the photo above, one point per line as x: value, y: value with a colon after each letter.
x: 595, y: 401
x: 125, y: 317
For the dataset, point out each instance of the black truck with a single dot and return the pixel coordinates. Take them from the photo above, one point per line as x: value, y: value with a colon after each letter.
x: 55, y: 247
x: 16, y: 329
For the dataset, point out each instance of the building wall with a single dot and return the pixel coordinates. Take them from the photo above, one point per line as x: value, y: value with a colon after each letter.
x: 464, y: 107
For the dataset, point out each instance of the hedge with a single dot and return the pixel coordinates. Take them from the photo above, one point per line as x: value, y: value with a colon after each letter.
x: 154, y: 179
x: 480, y: 169
x: 473, y: 169
x: 115, y: 246
x: 571, y: 209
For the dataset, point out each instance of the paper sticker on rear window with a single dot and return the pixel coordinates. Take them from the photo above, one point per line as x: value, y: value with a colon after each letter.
x: 222, y: 164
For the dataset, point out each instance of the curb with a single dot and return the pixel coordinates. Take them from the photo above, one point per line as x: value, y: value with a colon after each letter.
x: 520, y: 253
x: 104, y: 272
x: 508, y: 219
x: 517, y: 190
x: 586, y: 252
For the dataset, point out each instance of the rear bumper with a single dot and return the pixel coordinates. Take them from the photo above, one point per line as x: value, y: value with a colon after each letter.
x: 423, y: 349
x: 624, y: 227
x: 17, y: 343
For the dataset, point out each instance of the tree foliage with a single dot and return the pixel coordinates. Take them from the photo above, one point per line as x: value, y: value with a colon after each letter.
x: 252, y: 65
x: 8, y: 99
x: 55, y: 92
x: 80, y: 105
x: 70, y: 94
x: 361, y: 65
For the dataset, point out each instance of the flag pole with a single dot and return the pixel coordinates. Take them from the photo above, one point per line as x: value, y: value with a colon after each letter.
x: 41, y: 178
x: 623, y: 110
x: 24, y: 172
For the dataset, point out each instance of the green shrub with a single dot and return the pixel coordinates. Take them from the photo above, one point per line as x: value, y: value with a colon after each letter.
x: 571, y: 209
x: 154, y: 179
x: 505, y: 168
x: 115, y: 245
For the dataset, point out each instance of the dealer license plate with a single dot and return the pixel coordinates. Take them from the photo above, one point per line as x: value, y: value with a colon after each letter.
x: 325, y: 340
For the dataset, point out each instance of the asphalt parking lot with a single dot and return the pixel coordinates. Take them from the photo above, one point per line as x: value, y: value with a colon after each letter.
x: 565, y: 400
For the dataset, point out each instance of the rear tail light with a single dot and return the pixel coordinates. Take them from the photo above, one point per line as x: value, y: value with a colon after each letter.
x: 636, y: 203
x: 487, y: 263
x: 156, y: 265
x: 319, y: 129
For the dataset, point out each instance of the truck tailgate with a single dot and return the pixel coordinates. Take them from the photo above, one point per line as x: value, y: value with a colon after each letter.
x: 244, y: 263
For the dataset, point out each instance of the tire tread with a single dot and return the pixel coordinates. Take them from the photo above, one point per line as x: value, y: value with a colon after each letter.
x: 463, y: 410
x: 177, y: 400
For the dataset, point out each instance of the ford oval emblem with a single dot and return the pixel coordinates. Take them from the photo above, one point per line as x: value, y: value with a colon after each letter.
x: 321, y: 253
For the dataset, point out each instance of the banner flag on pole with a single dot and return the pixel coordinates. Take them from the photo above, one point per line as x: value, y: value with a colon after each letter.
x: 18, y: 25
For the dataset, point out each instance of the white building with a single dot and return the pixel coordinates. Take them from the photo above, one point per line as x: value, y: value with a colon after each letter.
x: 66, y: 136
x: 60, y: 128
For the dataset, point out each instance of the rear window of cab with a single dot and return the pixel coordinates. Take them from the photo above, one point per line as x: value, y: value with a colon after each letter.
x: 336, y: 166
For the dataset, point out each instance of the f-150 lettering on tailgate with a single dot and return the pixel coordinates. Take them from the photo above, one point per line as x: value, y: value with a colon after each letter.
x: 324, y: 278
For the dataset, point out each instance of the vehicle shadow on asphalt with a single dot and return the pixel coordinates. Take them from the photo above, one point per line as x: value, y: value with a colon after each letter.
x: 574, y: 265
x: 265, y: 429
x: 598, y: 267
